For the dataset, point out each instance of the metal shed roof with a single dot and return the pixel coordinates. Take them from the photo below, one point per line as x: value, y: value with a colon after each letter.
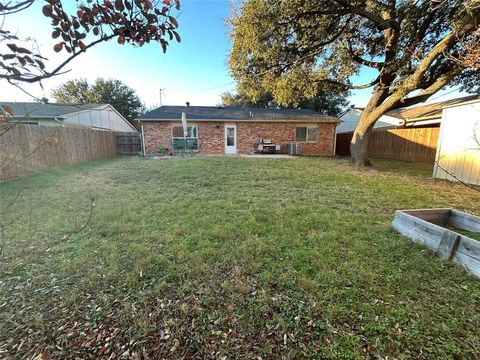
x: 212, y: 113
x: 49, y: 110
x: 433, y: 110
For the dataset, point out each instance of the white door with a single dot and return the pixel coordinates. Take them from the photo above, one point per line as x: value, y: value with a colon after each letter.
x: 230, y: 139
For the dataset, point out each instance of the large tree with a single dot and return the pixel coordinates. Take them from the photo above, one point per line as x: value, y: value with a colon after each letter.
x: 415, y: 48
x: 75, y: 31
x: 102, y: 91
x: 328, y: 103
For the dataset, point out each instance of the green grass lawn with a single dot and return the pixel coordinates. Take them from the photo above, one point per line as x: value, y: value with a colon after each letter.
x: 230, y: 258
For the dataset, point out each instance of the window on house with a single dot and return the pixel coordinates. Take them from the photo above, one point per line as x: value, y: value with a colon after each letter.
x: 192, y: 131
x: 306, y: 134
x: 179, y: 141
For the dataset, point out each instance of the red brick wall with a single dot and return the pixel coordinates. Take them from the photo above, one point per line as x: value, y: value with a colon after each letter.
x: 248, y: 134
x: 157, y: 134
x: 211, y: 139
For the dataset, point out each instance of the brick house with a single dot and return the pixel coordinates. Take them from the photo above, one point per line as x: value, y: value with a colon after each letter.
x: 230, y: 130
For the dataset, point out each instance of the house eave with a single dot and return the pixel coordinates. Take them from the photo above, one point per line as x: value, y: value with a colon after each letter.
x: 473, y: 101
x: 42, y: 117
x: 421, y: 118
x: 327, y: 120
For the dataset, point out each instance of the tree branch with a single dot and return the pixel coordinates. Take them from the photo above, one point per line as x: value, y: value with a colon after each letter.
x: 12, y: 9
x: 346, y: 86
x: 358, y: 59
x: 381, y: 23
x: 57, y: 70
x: 441, y: 82
x: 420, y: 34
x: 366, y: 86
x: 411, y: 83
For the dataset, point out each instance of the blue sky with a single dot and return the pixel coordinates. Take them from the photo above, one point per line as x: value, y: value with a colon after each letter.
x: 194, y: 70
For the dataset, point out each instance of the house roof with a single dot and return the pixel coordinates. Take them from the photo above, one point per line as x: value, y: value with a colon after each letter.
x: 429, y: 111
x: 212, y: 113
x: 49, y: 110
x: 350, y: 108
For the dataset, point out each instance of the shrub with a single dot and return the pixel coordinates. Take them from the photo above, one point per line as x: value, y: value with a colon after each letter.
x: 162, y: 150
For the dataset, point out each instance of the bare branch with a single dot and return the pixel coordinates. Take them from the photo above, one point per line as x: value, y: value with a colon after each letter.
x: 27, y: 78
x: 381, y: 23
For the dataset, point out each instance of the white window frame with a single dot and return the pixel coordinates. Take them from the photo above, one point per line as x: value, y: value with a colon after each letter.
x: 188, y: 137
x: 182, y: 137
x: 306, y: 133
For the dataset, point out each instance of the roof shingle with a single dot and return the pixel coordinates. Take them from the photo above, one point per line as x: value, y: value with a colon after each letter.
x: 428, y: 110
x: 50, y: 110
x: 165, y: 113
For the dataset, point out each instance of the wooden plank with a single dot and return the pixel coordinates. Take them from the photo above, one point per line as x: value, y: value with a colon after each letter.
x: 413, y: 144
x: 418, y: 230
x: 415, y: 236
x: 32, y: 152
x: 128, y: 143
x: 448, y: 245
x: 436, y: 216
x: 469, y: 247
x: 468, y: 263
x: 464, y: 221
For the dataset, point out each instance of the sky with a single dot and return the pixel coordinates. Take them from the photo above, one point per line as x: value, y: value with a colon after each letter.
x: 194, y: 70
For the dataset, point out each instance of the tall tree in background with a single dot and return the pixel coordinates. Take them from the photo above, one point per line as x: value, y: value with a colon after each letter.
x: 102, y: 91
x: 330, y: 103
x: 297, y: 48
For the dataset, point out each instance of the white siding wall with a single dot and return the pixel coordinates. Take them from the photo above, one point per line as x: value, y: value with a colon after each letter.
x: 102, y: 118
x: 352, y: 116
x: 458, y: 151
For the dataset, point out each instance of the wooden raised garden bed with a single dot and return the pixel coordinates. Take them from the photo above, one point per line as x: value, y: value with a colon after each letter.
x: 445, y: 231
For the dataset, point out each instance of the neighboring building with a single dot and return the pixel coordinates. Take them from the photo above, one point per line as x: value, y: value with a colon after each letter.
x: 230, y: 130
x: 458, y: 151
x: 95, y: 116
x: 351, y: 117
x: 428, y: 115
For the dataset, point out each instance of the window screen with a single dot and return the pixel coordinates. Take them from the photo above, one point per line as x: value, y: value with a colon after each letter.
x: 301, y: 134
x: 306, y: 133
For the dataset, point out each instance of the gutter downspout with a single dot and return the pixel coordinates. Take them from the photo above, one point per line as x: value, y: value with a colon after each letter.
x: 335, y: 142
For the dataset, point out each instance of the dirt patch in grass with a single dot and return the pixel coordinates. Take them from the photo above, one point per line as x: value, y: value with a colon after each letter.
x: 211, y: 258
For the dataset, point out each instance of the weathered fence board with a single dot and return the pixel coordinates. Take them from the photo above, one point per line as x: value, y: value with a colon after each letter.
x: 436, y: 216
x: 129, y: 143
x: 458, y: 219
x: 26, y: 148
x: 415, y: 144
x: 448, y: 244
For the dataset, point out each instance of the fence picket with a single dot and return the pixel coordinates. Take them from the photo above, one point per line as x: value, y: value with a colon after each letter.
x: 414, y: 144
x: 34, y: 148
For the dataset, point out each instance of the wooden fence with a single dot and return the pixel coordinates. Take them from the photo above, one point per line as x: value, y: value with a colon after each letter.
x: 26, y: 148
x: 129, y: 143
x: 416, y: 144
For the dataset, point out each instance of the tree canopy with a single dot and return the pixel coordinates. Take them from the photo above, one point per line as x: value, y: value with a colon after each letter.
x: 114, y: 92
x: 92, y: 22
x: 329, y: 103
x: 297, y: 48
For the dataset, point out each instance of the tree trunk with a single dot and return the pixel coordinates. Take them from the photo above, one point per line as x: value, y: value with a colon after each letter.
x: 359, y: 144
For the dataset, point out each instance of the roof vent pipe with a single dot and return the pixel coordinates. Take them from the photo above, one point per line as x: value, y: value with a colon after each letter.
x: 187, y: 103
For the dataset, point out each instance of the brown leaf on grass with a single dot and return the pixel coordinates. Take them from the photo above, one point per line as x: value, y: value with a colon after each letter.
x: 44, y: 355
x: 175, y: 346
